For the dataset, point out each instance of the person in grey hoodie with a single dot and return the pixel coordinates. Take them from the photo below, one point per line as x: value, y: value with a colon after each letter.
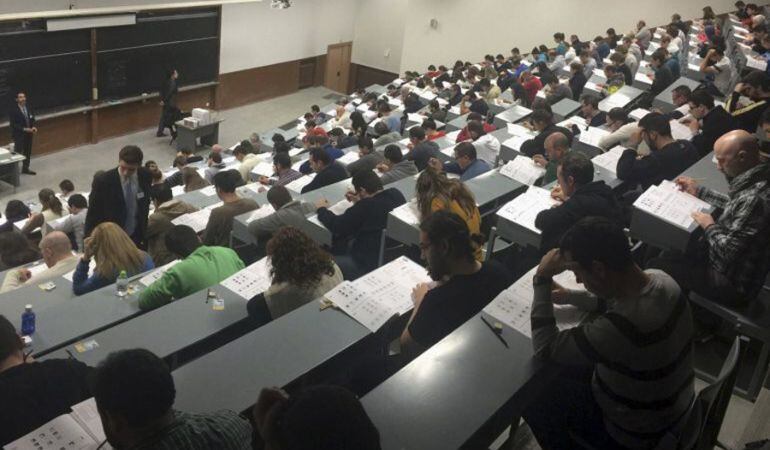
x: 368, y: 158
x: 288, y: 212
x: 215, y: 164
x: 384, y: 135
x: 395, y: 166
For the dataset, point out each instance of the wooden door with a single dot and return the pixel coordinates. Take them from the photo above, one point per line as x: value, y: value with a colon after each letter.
x: 338, y: 67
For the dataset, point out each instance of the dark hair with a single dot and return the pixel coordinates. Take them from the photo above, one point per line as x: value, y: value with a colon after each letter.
x: 67, y: 186
x: 757, y: 79
x: 282, y: 147
x: 684, y: 91
x: 315, y: 108
x: 394, y: 154
x: 366, y: 142
x: 277, y: 137
x: 618, y: 114
x: 429, y: 124
x: 656, y: 122
x: 578, y: 166
x: 134, y: 384
x: 318, y: 140
x: 765, y: 117
x: 9, y: 339
x: 476, y: 127
x: 179, y: 161
x: 541, y: 115
x: 49, y: 200
x: 16, y: 210
x: 278, y: 196
x: 597, y: 239
x: 659, y: 55
x: 246, y: 145
x: 216, y: 157
x: 357, y: 122
x: 588, y: 99
x: 417, y: 133
x: 367, y: 180
x: 182, y: 240
x: 319, y: 154
x: 282, y: 160
x: 241, y: 149
x: 700, y: 97
x: 381, y: 128
x: 16, y: 250
x: 474, y: 116
x: 465, y: 149
x: 77, y: 201
x: 310, y: 124
x: 297, y: 259
x: 131, y: 154
x: 227, y: 180
x: 448, y: 227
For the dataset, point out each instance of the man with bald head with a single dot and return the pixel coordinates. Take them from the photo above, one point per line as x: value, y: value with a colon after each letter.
x: 735, y: 260
x: 58, y: 257
x: 556, y: 147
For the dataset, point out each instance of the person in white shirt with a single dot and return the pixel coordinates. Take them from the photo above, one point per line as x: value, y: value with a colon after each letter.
x: 247, y: 161
x: 588, y: 62
x: 487, y: 146
x: 58, y: 257
x: 75, y: 222
x: 720, y: 67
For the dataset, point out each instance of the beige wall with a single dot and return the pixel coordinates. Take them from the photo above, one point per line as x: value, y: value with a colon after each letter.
x: 379, y: 28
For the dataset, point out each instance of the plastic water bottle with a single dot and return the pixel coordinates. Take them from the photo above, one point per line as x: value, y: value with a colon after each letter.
x: 28, y: 321
x: 121, y: 284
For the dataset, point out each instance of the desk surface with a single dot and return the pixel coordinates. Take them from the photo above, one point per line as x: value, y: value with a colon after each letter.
x: 273, y: 355
x: 707, y: 174
x: 449, y: 392
x: 611, y: 101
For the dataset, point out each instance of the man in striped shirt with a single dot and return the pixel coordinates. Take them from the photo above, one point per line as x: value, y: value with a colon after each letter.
x: 629, y: 374
x: 134, y: 393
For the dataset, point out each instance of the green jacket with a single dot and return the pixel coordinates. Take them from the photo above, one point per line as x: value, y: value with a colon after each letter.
x: 205, y: 267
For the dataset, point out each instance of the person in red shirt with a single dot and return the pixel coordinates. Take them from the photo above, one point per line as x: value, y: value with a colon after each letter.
x: 465, y: 135
x: 531, y: 85
x: 430, y: 130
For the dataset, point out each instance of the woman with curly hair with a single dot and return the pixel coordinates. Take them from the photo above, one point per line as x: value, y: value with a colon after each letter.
x: 300, y: 270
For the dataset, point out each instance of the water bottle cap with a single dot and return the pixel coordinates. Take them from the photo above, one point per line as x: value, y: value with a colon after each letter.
x: 122, y: 273
x: 28, y: 307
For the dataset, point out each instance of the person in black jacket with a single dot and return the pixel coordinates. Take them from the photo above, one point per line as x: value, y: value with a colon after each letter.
x: 122, y: 196
x: 327, y: 171
x: 542, y: 122
x: 168, y: 93
x: 582, y: 196
x: 363, y: 222
x: 577, y: 80
x: 663, y: 76
x: 23, y: 129
x: 421, y: 150
x: 667, y: 159
x: 710, y: 122
x: 756, y: 87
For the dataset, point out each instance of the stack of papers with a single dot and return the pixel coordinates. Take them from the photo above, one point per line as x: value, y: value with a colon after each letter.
x: 299, y: 183
x: 376, y: 297
x: 523, y: 210
x: 609, y: 160
x: 522, y: 169
x: 155, y: 275
x: 195, y: 220
x: 251, y: 281
x: 408, y: 213
x: 680, y: 131
x: 592, y: 136
x: 670, y: 204
x: 513, y: 307
x: 638, y: 113
x: 263, y: 169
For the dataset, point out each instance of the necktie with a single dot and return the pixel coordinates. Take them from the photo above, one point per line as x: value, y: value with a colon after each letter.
x: 129, y: 194
x: 26, y: 115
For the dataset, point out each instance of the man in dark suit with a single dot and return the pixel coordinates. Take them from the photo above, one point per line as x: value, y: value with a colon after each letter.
x: 22, y: 128
x: 168, y: 93
x: 122, y: 196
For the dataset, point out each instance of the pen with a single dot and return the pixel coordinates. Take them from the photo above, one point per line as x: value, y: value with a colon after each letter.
x: 494, y: 330
x: 70, y: 354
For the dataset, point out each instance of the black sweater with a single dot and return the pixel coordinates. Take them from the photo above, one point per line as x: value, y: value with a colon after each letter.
x: 663, y: 164
x: 331, y: 174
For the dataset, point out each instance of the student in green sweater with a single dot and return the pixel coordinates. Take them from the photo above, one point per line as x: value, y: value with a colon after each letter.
x: 201, y: 267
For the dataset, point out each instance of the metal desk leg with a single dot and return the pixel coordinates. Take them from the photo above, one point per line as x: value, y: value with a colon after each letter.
x: 381, y: 257
x: 491, y: 244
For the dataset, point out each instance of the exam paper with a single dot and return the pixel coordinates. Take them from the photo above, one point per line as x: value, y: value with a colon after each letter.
x: 348, y: 158
x: 592, y: 136
x: 263, y: 169
x: 196, y: 220
x: 209, y: 191
x: 609, y: 160
x: 522, y: 169
x: 155, y: 275
x: 260, y: 213
x: 523, y: 210
x: 408, y: 213
x: 667, y: 202
x: 251, y: 281
x: 91, y: 266
x: 299, y: 183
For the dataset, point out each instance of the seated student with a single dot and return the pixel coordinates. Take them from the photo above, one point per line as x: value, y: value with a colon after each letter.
x: 214, y: 166
x: 718, y: 69
x: 395, y: 167
x: 756, y: 86
x: 362, y: 223
x: 487, y: 146
x: 581, y: 196
x: 66, y: 188
x: 734, y: 263
x: 201, y: 267
x: 662, y: 76
x: 709, y: 121
x: 75, y: 222
x: 51, y: 210
x: 368, y: 158
x: 114, y: 252
x: 312, y: 130
x: 435, y: 192
x: 384, y: 135
x: 392, y: 121
x: 324, y: 143
x: 338, y: 138
x: 667, y: 159
x: 192, y: 180
x: 622, y: 129
x: 247, y: 162
x: 643, y: 34
x: 189, y: 156
x: 589, y: 64
x: 542, y: 122
x: 420, y: 148
x: 16, y: 250
x: 465, y: 163
x: 288, y: 212
x: 342, y: 119
x: 473, y: 103
x: 615, y: 81
x: 318, y: 116
x: 621, y: 388
x: 431, y: 130
x: 134, y: 393
x: 31, y: 392
x: 619, y: 61
x: 557, y: 146
x: 673, y: 64
x: 283, y: 174
x: 56, y: 249
x: 300, y: 272
x: 167, y: 208
x: 292, y: 423
x: 175, y: 179
x: 557, y: 91
x: 489, y: 92
x: 327, y: 170
x: 465, y: 134
x: 680, y: 97
x: 256, y: 144
x: 589, y: 110
x: 464, y: 285
x: 436, y: 112
x: 577, y: 80
x: 220, y: 222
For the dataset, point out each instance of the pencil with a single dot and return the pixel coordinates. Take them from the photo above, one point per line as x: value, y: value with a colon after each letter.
x: 495, y: 331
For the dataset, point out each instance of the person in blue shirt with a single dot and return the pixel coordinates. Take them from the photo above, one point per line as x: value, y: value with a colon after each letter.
x: 602, y: 48
x: 466, y: 164
x: 323, y: 142
x: 561, y: 46
x: 673, y: 65
x: 114, y: 252
x: 393, y: 122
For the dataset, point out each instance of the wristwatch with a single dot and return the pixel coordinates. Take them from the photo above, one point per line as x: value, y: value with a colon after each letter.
x: 539, y: 280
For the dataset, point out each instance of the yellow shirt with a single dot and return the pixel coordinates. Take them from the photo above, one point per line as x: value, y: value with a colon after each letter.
x: 473, y: 220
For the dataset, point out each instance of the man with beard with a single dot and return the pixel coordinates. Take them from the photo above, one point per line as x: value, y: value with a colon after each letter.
x: 667, y: 159
x: 463, y: 285
x: 735, y: 261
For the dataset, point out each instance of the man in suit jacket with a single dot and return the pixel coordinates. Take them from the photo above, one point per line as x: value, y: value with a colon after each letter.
x: 168, y: 93
x: 22, y: 128
x: 122, y: 196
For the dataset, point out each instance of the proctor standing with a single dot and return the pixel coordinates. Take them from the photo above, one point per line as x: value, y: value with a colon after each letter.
x: 23, y: 128
x: 168, y: 94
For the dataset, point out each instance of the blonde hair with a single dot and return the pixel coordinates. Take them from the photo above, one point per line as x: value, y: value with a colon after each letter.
x: 432, y: 185
x: 114, y: 251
